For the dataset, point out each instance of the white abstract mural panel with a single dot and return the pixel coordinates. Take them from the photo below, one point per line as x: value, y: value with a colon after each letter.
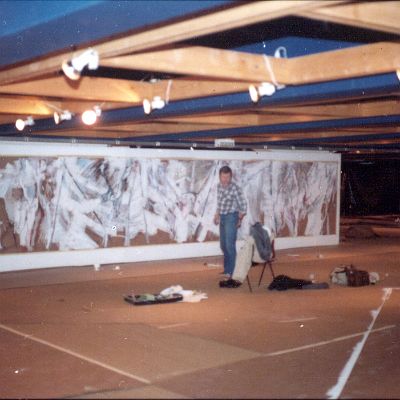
x: 71, y: 203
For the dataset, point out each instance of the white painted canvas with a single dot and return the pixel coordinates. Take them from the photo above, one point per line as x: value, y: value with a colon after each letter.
x: 77, y: 202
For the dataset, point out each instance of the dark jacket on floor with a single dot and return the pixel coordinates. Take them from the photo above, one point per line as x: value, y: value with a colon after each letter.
x: 283, y: 282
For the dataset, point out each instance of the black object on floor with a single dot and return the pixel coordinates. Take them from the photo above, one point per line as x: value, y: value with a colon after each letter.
x: 147, y: 299
x: 229, y: 283
x: 284, y: 282
x: 320, y: 285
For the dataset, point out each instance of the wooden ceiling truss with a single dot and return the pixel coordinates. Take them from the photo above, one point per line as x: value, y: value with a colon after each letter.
x: 196, y: 73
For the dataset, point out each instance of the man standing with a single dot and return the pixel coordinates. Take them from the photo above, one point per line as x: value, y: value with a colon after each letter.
x: 231, y: 208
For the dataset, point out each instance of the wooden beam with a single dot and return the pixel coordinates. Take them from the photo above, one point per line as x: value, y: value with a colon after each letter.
x: 8, y: 119
x: 264, y: 116
x: 119, y: 90
x: 238, y: 16
x: 189, y: 88
x: 371, y: 59
x: 210, y: 123
x: 245, y: 119
x: 356, y: 61
x: 378, y: 15
x: 31, y: 105
x: 215, y: 63
x: 268, y: 115
x: 23, y: 106
x: 156, y: 127
x: 347, y: 110
x: 352, y: 62
x: 371, y: 129
x: 87, y: 88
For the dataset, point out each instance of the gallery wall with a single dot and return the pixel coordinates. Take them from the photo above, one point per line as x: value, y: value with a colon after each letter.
x: 101, y: 204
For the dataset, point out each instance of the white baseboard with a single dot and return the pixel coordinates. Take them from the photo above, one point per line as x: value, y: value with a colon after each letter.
x: 73, y: 258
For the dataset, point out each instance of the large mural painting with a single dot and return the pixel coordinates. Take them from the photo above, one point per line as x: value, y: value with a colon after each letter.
x: 70, y: 203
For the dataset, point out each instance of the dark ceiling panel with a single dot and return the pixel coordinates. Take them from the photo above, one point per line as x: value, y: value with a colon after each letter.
x: 93, y: 23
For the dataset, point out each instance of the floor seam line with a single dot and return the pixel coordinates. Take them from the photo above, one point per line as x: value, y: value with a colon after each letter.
x: 75, y: 354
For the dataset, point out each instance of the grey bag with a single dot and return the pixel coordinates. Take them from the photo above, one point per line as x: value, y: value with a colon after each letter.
x: 339, y: 276
x: 262, y: 240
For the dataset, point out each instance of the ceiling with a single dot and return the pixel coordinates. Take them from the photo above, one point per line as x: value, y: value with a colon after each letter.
x: 334, y: 66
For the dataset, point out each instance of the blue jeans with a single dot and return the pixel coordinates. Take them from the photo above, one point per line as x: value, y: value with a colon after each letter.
x: 227, y: 240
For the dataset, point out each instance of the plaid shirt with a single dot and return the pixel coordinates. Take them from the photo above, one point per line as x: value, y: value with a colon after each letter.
x: 230, y: 199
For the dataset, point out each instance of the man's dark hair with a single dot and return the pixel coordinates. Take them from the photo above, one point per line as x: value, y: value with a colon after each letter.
x: 225, y: 170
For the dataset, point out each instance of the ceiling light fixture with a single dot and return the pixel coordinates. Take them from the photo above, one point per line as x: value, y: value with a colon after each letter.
x: 89, y: 117
x: 73, y: 68
x: 62, y: 116
x: 265, y: 89
x: 156, y: 104
x: 20, y: 124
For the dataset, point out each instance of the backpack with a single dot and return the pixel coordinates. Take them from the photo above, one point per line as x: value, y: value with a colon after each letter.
x: 348, y: 275
x: 356, y: 277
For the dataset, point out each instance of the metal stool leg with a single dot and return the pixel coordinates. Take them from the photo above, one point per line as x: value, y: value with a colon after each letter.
x: 262, y: 273
x: 270, y: 267
x: 248, y: 282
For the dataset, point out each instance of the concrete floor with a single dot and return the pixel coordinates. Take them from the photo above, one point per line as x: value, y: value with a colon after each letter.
x: 67, y: 333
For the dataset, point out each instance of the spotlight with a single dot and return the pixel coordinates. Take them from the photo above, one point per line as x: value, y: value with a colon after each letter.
x: 73, y: 68
x: 156, y: 104
x: 21, y: 123
x: 89, y: 117
x: 265, y: 89
x: 63, y: 116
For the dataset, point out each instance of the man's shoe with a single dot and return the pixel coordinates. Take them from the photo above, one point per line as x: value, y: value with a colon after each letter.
x: 223, y: 283
x: 235, y: 284
x: 230, y: 283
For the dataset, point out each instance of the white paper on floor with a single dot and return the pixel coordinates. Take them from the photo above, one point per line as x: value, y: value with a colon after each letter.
x: 190, y: 296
